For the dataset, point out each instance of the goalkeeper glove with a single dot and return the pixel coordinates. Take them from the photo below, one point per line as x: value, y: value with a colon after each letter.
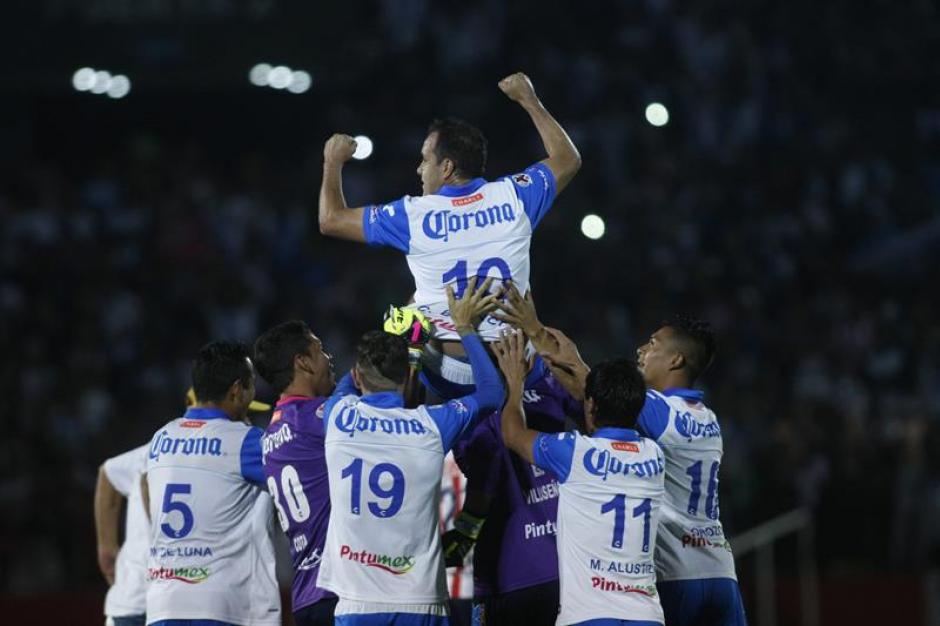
x: 413, y: 326
x: 459, y: 541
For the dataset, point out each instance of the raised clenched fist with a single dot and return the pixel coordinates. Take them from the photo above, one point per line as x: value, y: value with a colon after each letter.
x: 339, y: 148
x: 518, y: 87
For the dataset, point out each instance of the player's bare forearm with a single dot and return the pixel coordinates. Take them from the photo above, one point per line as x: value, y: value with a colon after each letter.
x: 563, y: 157
x: 145, y: 494
x: 516, y: 436
x: 337, y: 219
x: 107, y: 510
x: 107, y: 514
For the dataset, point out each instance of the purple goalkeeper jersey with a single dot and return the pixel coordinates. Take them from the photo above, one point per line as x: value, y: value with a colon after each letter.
x: 295, y: 468
x: 516, y: 547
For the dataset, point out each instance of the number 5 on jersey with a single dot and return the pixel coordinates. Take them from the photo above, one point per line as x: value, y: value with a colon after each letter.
x: 170, y: 505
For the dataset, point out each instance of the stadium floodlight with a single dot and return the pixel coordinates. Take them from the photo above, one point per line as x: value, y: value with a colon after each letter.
x: 657, y: 114
x: 259, y: 75
x: 592, y: 226
x: 102, y: 82
x: 280, y: 77
x: 363, y: 147
x: 120, y: 86
x: 300, y: 82
x: 83, y: 79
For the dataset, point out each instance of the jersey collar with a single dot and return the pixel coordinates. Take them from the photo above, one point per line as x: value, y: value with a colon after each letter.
x: 688, y: 394
x: 462, y: 190
x: 384, y: 399
x: 205, y: 413
x: 288, y: 399
x: 620, y: 434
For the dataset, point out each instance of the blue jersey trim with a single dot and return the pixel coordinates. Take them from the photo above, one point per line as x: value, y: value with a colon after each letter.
x: 205, y: 413
x: 387, y: 225
x: 384, y: 399
x: 455, y: 191
x: 251, y: 456
x: 554, y: 452
x: 535, y: 187
x: 688, y: 394
x: 619, y: 434
x: 654, y: 416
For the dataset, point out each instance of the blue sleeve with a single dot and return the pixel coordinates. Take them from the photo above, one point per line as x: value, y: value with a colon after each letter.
x: 456, y: 417
x: 346, y: 387
x: 387, y: 225
x: 553, y: 452
x: 535, y: 187
x: 654, y: 417
x: 251, y: 456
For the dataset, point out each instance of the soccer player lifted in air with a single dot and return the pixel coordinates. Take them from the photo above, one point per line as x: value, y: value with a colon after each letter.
x: 383, y: 548
x: 694, y: 565
x: 211, y: 543
x: 462, y: 225
x: 292, y: 359
x: 610, y: 495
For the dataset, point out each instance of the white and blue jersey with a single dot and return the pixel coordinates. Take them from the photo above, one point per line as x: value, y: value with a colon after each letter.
x: 609, y: 500
x: 691, y: 542
x: 478, y: 229
x: 211, y: 542
x: 383, y: 549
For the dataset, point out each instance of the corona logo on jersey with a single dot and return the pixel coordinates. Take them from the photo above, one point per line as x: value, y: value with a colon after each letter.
x: 440, y: 224
x: 189, y: 575
x: 273, y: 441
x: 602, y: 463
x: 163, y: 443
x: 397, y: 565
x: 349, y: 420
x: 690, y: 428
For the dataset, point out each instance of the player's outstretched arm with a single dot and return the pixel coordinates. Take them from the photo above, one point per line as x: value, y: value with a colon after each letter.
x: 510, y: 352
x: 519, y: 312
x: 107, y: 513
x: 466, y: 313
x: 566, y: 363
x: 563, y: 157
x: 337, y: 219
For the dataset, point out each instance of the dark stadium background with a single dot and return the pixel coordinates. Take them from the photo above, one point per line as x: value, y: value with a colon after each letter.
x: 793, y: 200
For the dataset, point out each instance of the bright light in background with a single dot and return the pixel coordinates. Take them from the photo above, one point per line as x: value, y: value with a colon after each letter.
x: 83, y: 79
x: 592, y: 226
x: 657, y: 114
x: 120, y: 86
x: 363, y: 147
x: 300, y: 82
x: 259, y: 74
x: 102, y: 82
x: 280, y: 77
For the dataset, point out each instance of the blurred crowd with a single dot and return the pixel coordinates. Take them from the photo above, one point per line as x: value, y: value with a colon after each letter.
x: 792, y: 201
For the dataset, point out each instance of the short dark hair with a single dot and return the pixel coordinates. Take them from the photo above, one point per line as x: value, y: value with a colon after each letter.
x: 217, y: 366
x: 696, y: 342
x: 276, y: 349
x: 618, y: 391
x: 462, y: 143
x: 382, y: 359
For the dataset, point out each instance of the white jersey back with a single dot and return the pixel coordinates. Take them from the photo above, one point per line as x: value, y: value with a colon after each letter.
x: 128, y: 595
x: 479, y: 229
x: 608, y: 511
x: 211, y: 555
x: 383, y: 543
x: 691, y: 542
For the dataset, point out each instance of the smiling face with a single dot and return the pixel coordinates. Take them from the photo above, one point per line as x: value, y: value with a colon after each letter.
x: 658, y: 357
x: 432, y: 170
